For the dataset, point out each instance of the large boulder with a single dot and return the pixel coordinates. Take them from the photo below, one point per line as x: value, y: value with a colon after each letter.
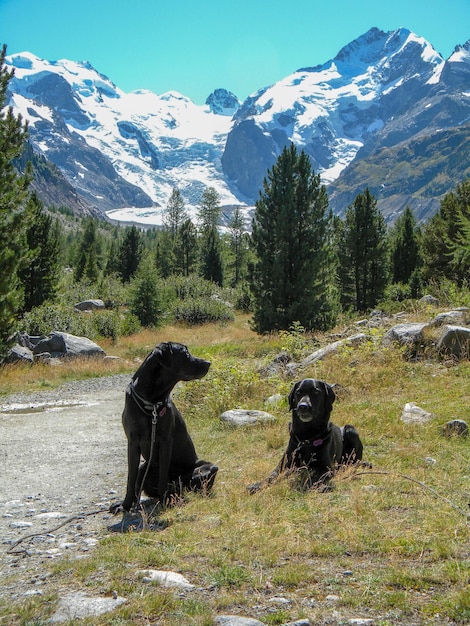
x: 90, y: 305
x: 405, y: 334
x: 19, y: 354
x: 60, y: 344
x: 454, y: 341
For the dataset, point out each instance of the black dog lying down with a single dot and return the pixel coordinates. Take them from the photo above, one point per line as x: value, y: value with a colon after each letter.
x: 315, y: 443
x: 170, y: 462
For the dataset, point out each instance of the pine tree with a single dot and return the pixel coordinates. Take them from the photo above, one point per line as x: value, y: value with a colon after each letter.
x: 188, y: 247
x: 210, y: 210
x: 175, y: 213
x: 13, y: 214
x: 211, y: 259
x: 445, y: 238
x: 88, y: 253
x: 145, y: 301
x: 130, y: 254
x: 405, y: 247
x: 238, y: 245
x: 40, y: 275
x: 292, y: 277
x: 363, y: 254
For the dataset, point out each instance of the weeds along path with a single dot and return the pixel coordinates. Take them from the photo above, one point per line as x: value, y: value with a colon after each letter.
x: 62, y: 453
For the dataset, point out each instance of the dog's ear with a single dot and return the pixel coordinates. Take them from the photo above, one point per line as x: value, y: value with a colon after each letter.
x: 163, y: 354
x: 330, y: 396
x: 290, y: 397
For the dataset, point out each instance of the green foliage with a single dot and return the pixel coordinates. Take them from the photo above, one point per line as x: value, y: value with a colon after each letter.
x: 238, y: 246
x: 145, y: 299
x: 187, y: 240
x: 202, y: 311
x: 39, y: 276
x: 405, y: 247
x: 293, y: 340
x: 362, y: 253
x: 292, y: 276
x: 211, y: 260
x: 13, y: 213
x: 130, y: 253
x: 446, y: 238
x: 87, y: 266
x: 209, y: 211
x: 44, y: 319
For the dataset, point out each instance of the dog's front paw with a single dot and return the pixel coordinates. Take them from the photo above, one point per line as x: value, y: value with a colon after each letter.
x: 254, y: 488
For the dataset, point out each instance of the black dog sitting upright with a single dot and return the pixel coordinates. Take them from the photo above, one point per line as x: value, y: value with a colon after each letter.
x: 156, y: 430
x: 315, y: 444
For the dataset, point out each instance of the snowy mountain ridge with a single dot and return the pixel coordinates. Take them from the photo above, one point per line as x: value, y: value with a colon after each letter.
x: 128, y: 150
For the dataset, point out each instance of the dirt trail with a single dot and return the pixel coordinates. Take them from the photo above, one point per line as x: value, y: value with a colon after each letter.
x: 62, y: 453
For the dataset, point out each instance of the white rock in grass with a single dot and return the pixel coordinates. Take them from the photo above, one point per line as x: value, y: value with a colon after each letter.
x: 245, y: 417
x: 78, y: 605
x: 165, y: 579
x: 413, y: 414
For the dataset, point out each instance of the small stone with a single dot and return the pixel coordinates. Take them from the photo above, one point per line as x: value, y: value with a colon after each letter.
x: 165, y: 578
x: 21, y: 524
x: 455, y: 427
x: 332, y: 598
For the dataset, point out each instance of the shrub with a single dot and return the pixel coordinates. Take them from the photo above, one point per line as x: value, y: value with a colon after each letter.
x: 202, y: 311
x: 42, y: 320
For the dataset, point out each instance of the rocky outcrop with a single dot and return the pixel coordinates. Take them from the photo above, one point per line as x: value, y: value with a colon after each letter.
x: 56, y: 345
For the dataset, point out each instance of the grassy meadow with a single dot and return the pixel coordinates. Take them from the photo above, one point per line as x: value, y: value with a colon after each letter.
x: 389, y: 543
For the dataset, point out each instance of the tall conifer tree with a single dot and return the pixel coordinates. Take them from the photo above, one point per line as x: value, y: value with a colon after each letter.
x: 130, y: 253
x: 363, y: 252
x: 13, y: 213
x: 39, y: 276
x: 293, y: 276
x: 405, y: 247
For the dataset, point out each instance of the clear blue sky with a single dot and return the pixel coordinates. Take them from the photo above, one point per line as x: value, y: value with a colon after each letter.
x: 194, y: 47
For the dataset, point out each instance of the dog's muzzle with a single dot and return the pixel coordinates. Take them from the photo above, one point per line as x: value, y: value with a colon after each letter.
x: 304, y: 411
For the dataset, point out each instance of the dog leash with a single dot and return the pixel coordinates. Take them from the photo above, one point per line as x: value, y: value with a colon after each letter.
x: 156, y: 411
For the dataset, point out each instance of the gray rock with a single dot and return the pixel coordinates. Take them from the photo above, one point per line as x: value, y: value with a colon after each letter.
x: 78, y: 606
x: 458, y: 316
x: 455, y: 427
x: 90, y: 305
x: 165, y: 578
x: 19, y: 353
x: 428, y: 299
x: 405, y: 334
x: 454, y: 341
x: 236, y: 620
x: 331, y: 348
x: 413, y: 414
x: 64, y: 344
x: 245, y: 417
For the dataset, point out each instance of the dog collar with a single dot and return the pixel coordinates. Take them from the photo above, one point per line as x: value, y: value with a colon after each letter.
x: 155, y: 410
x: 317, y: 442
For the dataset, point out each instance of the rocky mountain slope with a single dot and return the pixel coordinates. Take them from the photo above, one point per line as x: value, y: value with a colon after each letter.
x: 387, y: 112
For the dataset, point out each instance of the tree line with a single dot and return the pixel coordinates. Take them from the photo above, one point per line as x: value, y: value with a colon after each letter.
x: 295, y: 262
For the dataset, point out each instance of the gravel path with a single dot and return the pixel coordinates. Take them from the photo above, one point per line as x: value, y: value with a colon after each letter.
x: 62, y: 453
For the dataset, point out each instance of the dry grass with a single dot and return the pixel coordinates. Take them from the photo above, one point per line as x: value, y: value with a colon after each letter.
x: 390, y: 543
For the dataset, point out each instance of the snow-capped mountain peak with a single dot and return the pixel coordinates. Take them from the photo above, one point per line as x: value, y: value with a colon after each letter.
x: 122, y: 149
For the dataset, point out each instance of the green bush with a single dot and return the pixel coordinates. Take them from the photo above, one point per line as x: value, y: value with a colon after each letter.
x: 109, y: 323
x: 42, y: 320
x: 202, y: 311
